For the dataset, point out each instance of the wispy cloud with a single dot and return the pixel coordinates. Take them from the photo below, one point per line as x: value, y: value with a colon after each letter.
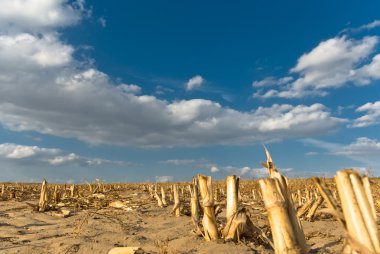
x: 164, y: 179
x: 194, y: 83
x: 363, y: 149
x: 178, y: 162
x: 33, y: 155
x: 365, y: 27
x: 102, y: 21
x: 271, y: 81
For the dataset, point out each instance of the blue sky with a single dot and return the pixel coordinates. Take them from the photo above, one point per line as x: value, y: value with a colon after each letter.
x: 163, y: 90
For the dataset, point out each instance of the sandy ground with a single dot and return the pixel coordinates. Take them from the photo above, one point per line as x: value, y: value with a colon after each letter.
x: 148, y: 226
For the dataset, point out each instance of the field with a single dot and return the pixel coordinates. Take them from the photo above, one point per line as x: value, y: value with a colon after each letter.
x: 86, y: 219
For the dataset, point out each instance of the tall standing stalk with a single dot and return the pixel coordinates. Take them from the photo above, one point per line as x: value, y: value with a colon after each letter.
x: 284, y: 235
x: 209, y: 220
x: 177, y: 201
x: 286, y: 228
x: 157, y: 197
x: 56, y: 196
x: 194, y: 201
x: 232, y: 195
x: 163, y: 196
x: 73, y: 191
x: 42, y: 205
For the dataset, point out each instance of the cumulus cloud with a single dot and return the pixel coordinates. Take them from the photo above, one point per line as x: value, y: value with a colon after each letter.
x: 333, y: 63
x: 86, y: 106
x: 43, y: 88
x: 14, y: 151
x: 38, y: 15
x: 194, y: 83
x: 48, y: 156
x: 372, y: 116
x: 30, y: 52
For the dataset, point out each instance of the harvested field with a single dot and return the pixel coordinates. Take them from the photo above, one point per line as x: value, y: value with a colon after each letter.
x: 92, y: 226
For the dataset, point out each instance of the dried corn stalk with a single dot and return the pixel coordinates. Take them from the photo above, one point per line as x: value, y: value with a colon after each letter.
x: 238, y: 221
x: 73, y: 191
x: 56, y: 196
x: 358, y: 213
x: 367, y: 190
x: 42, y: 205
x: 194, y: 201
x: 305, y: 208
x: 209, y: 220
x: 288, y: 235
x: 232, y: 183
x: 216, y: 194
x: 235, y: 221
x: 284, y: 235
x: 330, y: 200
x: 163, y: 196
x: 177, y: 201
x: 313, y: 209
x: 158, y: 198
x: 253, y: 194
x: 299, y: 198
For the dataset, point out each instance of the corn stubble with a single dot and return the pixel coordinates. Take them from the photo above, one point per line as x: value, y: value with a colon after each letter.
x: 287, y: 202
x: 209, y: 220
x: 287, y: 232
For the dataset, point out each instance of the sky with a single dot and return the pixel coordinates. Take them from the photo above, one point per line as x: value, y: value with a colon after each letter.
x: 132, y: 91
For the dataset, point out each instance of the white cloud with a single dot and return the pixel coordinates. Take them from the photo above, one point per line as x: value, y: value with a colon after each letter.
x: 271, y: 81
x: 86, y: 106
x: 371, y: 25
x: 47, y: 156
x: 37, y: 15
x: 14, y: 151
x: 194, y: 83
x: 214, y: 169
x: 333, y: 63
x: 164, y: 179
x: 246, y: 171
x: 178, y: 162
x: 44, y: 89
x: 103, y: 22
x: 28, y: 52
x: 130, y: 88
x: 372, y: 116
x: 361, y: 147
